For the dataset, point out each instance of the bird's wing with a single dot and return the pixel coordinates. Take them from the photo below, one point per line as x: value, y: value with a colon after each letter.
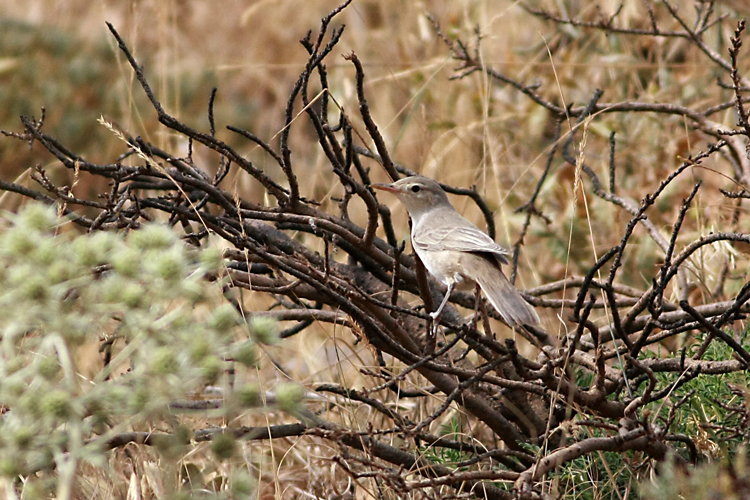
x: 459, y: 239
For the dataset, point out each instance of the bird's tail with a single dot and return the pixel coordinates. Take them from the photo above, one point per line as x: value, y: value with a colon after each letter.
x: 505, y: 298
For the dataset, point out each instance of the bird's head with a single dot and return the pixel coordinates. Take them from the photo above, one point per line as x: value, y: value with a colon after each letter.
x: 418, y: 194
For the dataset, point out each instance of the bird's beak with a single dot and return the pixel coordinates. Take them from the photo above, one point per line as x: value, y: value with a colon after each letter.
x: 386, y: 187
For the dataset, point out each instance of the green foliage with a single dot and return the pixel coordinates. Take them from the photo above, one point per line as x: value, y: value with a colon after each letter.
x: 146, y: 294
x: 715, y: 417
x: 289, y: 396
x: 716, y: 430
x: 705, y: 417
x: 223, y: 445
x: 596, y: 476
x: 448, y: 456
x: 263, y: 329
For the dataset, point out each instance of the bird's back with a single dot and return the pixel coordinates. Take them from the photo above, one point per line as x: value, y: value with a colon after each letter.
x: 444, y: 229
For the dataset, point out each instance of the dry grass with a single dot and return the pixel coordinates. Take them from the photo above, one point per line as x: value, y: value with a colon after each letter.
x: 471, y: 131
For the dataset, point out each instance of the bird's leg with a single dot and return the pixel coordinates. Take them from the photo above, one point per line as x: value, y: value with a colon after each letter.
x: 486, y: 321
x: 477, y: 301
x: 435, y: 315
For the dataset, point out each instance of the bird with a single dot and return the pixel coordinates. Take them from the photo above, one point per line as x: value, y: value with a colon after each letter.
x: 456, y: 252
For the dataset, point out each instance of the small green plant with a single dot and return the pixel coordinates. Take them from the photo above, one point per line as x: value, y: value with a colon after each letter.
x: 145, y: 297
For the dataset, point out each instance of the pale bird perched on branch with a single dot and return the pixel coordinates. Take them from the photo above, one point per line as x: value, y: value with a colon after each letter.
x: 456, y: 252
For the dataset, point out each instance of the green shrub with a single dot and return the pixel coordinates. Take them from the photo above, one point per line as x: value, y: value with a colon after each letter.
x: 145, y: 293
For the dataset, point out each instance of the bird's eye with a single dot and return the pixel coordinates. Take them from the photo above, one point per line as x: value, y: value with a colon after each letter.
x: 415, y: 188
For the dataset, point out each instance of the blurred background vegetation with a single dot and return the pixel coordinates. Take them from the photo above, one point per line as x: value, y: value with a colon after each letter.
x: 58, y: 55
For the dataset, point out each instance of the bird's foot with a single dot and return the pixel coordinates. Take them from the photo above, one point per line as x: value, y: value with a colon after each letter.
x: 472, y: 321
